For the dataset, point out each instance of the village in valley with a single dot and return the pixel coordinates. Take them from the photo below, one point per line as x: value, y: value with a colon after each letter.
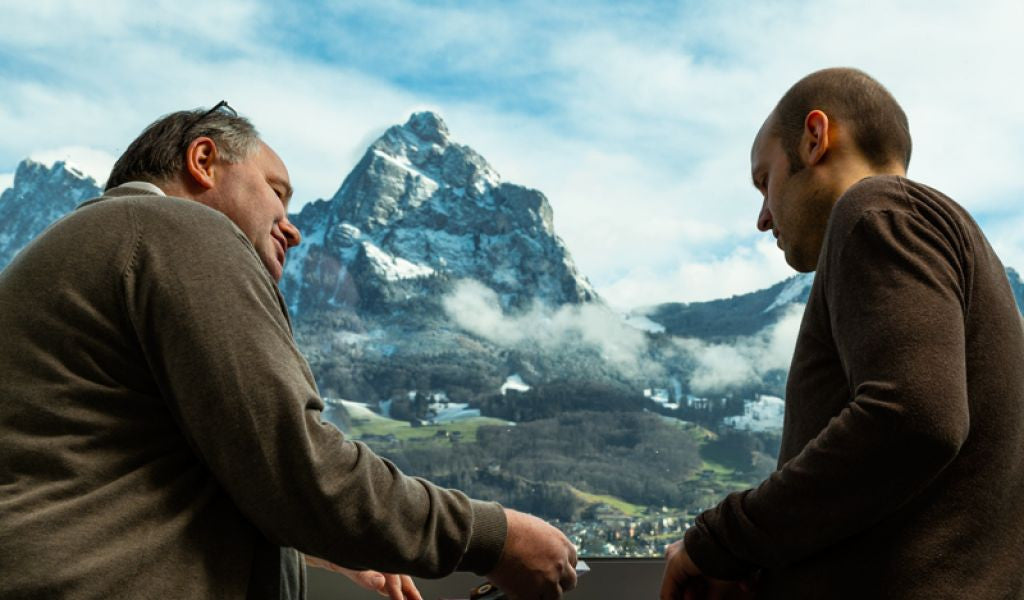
x: 605, y: 525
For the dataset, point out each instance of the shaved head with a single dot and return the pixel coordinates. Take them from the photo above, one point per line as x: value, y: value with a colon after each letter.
x: 877, y: 123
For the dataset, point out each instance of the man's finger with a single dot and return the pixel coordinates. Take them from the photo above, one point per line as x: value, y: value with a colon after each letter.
x: 409, y: 587
x: 393, y: 587
x: 568, y: 581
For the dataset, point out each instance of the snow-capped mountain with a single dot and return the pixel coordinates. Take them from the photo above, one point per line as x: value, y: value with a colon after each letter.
x: 418, y: 213
x: 40, y: 195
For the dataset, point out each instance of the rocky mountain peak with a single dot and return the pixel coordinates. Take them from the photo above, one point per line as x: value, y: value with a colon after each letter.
x: 40, y: 195
x: 32, y: 174
x: 421, y: 206
x: 428, y: 126
x: 412, y: 163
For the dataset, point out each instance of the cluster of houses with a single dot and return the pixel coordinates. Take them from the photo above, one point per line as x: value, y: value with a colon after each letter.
x: 763, y: 413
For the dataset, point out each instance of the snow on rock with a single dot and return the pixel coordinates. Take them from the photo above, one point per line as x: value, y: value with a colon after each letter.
x: 394, y: 268
x: 643, y: 323
x: 515, y: 383
x: 794, y: 292
x: 661, y: 396
x: 765, y: 413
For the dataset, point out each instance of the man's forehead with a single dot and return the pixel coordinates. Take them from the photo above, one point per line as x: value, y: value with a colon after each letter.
x: 271, y: 162
x: 762, y: 137
x: 766, y: 142
x: 269, y: 156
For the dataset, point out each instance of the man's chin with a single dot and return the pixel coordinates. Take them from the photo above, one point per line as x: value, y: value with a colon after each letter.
x: 799, y: 265
x: 274, y: 268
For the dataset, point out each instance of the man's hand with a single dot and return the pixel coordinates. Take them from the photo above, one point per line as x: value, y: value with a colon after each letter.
x: 395, y: 587
x: 684, y: 581
x: 538, y: 561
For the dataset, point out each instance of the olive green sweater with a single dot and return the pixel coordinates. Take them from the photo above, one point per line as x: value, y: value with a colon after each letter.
x: 161, y: 435
x: 901, y: 472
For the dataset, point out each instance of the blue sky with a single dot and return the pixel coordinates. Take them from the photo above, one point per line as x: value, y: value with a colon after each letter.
x: 635, y: 119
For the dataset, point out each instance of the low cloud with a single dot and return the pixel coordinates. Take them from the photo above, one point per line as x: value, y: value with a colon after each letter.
x: 477, y: 309
x: 745, y: 361
x: 717, y: 366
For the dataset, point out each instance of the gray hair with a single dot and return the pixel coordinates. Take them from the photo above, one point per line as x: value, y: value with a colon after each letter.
x: 158, y: 154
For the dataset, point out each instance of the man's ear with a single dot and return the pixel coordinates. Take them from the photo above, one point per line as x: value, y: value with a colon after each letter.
x: 814, y: 142
x: 201, y: 161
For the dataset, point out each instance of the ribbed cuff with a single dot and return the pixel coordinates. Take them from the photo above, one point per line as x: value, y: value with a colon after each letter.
x: 487, y: 540
x: 713, y: 559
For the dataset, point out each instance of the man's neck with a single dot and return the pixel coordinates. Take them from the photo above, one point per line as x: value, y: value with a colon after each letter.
x: 861, y: 170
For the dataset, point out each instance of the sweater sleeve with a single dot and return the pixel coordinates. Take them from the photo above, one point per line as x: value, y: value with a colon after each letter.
x: 894, y: 290
x: 216, y: 337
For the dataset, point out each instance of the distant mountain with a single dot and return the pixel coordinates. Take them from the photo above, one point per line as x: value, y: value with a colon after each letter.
x: 727, y: 318
x: 39, y: 196
x: 746, y: 314
x: 418, y: 213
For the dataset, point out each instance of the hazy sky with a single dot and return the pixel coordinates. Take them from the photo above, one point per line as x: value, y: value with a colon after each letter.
x: 635, y: 119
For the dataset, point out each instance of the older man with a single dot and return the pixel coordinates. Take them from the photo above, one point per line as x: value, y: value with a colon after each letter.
x: 161, y: 435
x: 901, y: 472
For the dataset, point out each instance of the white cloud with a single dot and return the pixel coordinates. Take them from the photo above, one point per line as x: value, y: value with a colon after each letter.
x: 721, y: 366
x: 476, y: 308
x: 646, y: 161
x: 1007, y: 239
x: 745, y: 268
x: 635, y: 123
x: 6, y: 181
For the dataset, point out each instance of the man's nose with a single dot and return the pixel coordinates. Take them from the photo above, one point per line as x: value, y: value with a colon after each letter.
x: 291, y: 232
x: 764, y: 220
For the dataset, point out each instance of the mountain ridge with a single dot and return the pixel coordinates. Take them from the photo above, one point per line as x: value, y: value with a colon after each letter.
x: 418, y: 212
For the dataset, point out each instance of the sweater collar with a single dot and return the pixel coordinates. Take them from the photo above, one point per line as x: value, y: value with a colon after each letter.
x: 131, y: 188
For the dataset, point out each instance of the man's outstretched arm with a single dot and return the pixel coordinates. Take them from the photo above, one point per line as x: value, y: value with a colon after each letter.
x: 213, y: 328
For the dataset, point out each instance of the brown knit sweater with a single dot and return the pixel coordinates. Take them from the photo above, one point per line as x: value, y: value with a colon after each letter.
x: 161, y: 435
x: 901, y: 473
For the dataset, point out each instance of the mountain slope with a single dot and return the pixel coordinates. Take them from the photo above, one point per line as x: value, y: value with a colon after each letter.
x: 727, y: 318
x: 39, y: 196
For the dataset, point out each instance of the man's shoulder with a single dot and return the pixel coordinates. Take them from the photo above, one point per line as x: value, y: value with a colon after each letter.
x: 881, y: 192
x: 890, y: 194
x: 168, y: 228
x: 150, y: 210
